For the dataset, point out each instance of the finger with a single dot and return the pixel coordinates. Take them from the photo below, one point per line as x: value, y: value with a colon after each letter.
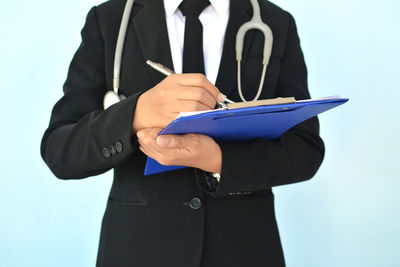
x: 164, y: 156
x: 149, y: 148
x: 199, y: 80
x: 155, y: 131
x: 148, y: 132
x: 145, y: 151
x: 142, y: 133
x: 189, y: 106
x: 148, y: 135
x: 171, y: 141
x: 198, y: 94
x: 152, y: 154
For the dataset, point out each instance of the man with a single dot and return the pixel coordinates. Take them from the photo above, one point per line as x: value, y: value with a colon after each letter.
x: 184, y: 217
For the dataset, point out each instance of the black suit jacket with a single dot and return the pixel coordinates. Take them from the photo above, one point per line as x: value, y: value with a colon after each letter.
x: 172, y: 219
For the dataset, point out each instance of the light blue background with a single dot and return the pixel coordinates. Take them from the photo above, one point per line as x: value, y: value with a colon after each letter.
x: 347, y: 215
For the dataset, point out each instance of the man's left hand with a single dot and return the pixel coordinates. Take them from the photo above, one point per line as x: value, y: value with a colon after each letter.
x: 191, y: 150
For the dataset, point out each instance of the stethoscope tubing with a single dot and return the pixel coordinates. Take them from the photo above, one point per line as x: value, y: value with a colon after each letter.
x: 255, y: 23
x: 120, y: 44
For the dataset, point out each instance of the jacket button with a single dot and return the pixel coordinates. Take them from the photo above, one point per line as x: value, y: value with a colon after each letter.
x: 119, y: 147
x: 106, y: 152
x: 195, y: 203
x: 113, y: 150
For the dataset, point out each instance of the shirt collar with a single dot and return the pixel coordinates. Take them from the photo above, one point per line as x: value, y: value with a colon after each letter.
x: 220, y: 6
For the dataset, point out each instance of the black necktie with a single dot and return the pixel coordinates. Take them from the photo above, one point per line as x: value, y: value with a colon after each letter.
x: 193, y: 59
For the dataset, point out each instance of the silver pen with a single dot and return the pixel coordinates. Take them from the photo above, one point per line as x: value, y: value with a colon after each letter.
x: 166, y: 71
x: 160, y: 68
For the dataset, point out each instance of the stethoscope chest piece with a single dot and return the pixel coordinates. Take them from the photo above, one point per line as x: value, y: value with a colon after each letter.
x: 110, y: 98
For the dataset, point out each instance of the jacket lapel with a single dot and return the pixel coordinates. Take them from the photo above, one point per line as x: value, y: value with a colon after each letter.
x: 152, y: 34
x: 240, y: 12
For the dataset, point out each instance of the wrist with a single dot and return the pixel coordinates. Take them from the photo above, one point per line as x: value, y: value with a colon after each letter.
x: 214, y: 163
x: 136, y: 123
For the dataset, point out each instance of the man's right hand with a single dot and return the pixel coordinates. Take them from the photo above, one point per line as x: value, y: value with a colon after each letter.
x: 177, y: 93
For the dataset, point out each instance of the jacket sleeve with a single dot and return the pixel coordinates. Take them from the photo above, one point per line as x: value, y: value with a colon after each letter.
x: 83, y: 139
x: 295, y: 156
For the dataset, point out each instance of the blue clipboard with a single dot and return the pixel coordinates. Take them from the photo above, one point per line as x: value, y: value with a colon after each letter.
x: 242, y: 124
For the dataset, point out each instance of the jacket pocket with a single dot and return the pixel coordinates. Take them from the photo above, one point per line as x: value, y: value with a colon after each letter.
x: 126, y: 201
x: 252, y: 194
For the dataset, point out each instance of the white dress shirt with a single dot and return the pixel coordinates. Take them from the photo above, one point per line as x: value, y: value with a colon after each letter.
x: 214, y: 19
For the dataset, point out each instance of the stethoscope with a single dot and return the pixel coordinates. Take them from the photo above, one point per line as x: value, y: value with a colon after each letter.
x: 112, y: 97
